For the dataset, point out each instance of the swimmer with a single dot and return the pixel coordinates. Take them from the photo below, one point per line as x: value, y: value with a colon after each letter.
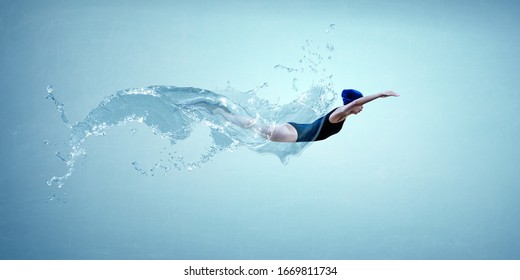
x: 318, y: 130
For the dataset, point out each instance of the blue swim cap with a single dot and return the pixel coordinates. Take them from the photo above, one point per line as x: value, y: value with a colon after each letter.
x: 350, y: 95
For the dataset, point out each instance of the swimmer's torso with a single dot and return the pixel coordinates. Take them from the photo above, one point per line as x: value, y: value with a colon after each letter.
x: 318, y: 130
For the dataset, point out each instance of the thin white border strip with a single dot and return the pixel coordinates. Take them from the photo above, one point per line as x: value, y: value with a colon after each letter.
x: 359, y: 270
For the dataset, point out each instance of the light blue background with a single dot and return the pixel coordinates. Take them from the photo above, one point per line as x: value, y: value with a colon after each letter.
x: 431, y: 175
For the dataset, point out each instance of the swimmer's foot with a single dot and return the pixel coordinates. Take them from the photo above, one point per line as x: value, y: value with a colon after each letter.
x: 212, y: 107
x: 219, y: 111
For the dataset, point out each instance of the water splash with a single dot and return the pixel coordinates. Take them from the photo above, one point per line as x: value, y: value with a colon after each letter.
x: 173, y: 113
x: 331, y: 28
x: 57, y: 104
x: 288, y: 69
x: 311, y: 61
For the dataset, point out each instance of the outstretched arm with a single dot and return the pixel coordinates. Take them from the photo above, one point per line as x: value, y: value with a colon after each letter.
x: 364, y: 100
x: 356, y: 106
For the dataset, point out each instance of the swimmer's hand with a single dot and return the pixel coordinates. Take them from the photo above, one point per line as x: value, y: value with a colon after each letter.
x: 389, y: 93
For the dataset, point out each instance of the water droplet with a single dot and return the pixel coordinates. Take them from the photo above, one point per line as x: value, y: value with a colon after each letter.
x: 49, y: 88
x: 330, y: 28
x: 294, y: 86
x: 58, y: 154
x: 46, y: 142
x: 133, y: 131
x: 288, y: 69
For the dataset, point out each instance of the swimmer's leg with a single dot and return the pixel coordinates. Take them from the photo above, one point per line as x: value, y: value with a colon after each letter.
x: 238, y: 120
x: 283, y: 133
x: 275, y: 133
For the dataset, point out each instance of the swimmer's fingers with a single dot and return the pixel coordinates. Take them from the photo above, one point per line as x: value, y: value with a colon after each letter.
x: 389, y: 93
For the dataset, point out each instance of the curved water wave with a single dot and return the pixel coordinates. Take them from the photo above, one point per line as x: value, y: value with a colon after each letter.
x: 173, y: 112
